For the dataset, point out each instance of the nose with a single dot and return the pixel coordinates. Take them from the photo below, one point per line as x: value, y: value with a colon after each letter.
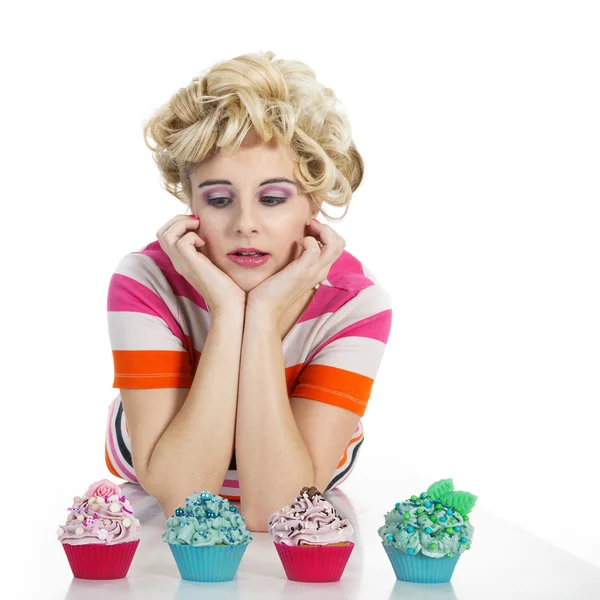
x: 245, y: 220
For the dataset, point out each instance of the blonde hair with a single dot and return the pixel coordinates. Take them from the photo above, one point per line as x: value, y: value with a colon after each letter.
x: 280, y: 98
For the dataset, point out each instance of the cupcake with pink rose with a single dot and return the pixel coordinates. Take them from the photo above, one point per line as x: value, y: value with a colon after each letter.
x: 101, y: 533
x: 312, y: 540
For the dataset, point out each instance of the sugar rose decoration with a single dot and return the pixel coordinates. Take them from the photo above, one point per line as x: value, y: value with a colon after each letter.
x: 103, y: 488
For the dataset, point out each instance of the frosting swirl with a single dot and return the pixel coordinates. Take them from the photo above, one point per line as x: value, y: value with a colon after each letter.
x: 430, y: 525
x: 105, y: 520
x: 309, y: 521
x: 206, y: 520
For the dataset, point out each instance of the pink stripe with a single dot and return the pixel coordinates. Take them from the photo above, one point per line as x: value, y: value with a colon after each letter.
x: 376, y: 327
x: 347, y: 273
x: 115, y: 454
x: 179, y: 284
x: 231, y: 483
x: 128, y: 295
x: 326, y: 300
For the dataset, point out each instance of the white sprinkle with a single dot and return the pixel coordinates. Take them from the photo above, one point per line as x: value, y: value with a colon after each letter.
x: 126, y: 522
x: 60, y: 531
x: 100, y: 500
x: 115, y: 507
x: 79, y: 531
x: 80, y: 517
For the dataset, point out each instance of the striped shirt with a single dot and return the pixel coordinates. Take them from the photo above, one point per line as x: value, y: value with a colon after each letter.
x: 158, y: 323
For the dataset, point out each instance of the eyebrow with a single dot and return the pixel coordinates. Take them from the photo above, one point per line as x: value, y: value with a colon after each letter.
x: 227, y: 182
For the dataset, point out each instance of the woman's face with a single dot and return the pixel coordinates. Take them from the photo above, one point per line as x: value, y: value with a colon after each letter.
x: 242, y: 211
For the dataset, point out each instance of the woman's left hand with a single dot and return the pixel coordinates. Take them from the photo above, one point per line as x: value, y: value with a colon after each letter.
x: 317, y: 252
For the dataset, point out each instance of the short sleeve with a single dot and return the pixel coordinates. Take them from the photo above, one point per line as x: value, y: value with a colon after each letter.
x: 149, y: 346
x: 342, y: 369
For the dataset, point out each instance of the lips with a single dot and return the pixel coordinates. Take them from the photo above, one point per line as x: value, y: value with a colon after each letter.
x: 247, y: 250
x: 249, y: 261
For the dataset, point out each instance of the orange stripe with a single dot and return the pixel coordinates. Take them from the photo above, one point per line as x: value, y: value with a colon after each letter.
x: 151, y: 369
x: 344, y: 458
x: 335, y: 386
x: 229, y: 497
x: 109, y: 464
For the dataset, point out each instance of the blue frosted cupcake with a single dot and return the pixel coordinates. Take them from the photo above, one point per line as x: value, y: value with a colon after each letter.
x: 425, y: 536
x: 207, y: 537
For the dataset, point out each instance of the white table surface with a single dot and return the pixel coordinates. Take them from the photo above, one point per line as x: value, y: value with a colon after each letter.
x: 505, y: 562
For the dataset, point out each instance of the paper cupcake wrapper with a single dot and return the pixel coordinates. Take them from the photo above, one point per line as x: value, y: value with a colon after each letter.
x: 418, y: 568
x: 100, y: 561
x: 314, y: 564
x: 208, y: 563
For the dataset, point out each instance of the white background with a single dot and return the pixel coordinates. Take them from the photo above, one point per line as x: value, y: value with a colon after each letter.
x: 478, y: 123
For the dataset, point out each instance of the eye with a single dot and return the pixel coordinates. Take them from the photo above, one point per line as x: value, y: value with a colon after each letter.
x: 273, y: 201
x: 215, y: 202
x: 278, y: 200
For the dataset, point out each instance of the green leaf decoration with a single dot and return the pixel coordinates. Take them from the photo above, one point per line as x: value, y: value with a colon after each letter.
x: 439, y: 488
x: 463, y: 502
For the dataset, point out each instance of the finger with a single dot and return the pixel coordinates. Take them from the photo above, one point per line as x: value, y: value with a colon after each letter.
x: 188, y: 243
x: 179, y: 228
x: 333, y: 243
x: 175, y: 220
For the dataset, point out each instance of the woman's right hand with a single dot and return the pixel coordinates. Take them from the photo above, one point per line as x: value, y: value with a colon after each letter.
x: 180, y: 244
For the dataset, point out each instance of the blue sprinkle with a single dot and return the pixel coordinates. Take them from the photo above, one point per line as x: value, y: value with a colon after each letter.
x: 232, y: 508
x: 428, y: 530
x: 389, y: 538
x: 427, y: 504
x: 463, y: 540
x: 397, y: 505
x: 410, y: 529
x: 457, y: 529
x: 410, y: 551
x: 450, y: 511
x: 398, y: 526
x: 436, y: 502
x: 443, y: 519
x: 179, y: 512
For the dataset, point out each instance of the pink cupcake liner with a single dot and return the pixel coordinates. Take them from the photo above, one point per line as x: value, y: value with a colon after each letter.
x: 100, y: 561
x: 314, y: 564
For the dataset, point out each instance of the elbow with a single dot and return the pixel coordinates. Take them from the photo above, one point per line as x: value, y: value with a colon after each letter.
x: 257, y: 522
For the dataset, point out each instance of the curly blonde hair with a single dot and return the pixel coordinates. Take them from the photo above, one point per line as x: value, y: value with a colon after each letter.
x: 280, y: 98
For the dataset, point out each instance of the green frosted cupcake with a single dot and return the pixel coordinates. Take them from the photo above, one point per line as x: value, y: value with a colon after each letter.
x: 424, y: 536
x: 207, y: 538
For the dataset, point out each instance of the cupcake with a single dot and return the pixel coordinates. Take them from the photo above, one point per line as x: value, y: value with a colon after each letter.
x: 101, y: 534
x: 312, y: 540
x: 207, y: 537
x: 425, y: 536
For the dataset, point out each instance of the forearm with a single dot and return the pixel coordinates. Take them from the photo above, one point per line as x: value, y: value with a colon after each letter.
x: 272, y: 459
x: 194, y: 452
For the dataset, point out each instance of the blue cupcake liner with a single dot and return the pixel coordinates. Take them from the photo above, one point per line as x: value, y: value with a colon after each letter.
x: 208, y: 563
x: 418, y: 568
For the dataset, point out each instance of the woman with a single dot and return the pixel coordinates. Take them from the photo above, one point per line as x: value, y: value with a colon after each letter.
x: 245, y: 375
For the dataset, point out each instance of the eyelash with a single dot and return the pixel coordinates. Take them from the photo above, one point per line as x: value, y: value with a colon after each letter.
x: 280, y: 199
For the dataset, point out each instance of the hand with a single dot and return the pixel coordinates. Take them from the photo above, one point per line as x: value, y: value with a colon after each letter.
x: 314, y: 256
x: 219, y: 291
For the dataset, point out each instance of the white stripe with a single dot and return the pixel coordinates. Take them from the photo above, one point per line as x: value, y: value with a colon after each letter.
x: 140, y: 331
x: 227, y: 491
x: 144, y: 270
x: 360, y: 355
